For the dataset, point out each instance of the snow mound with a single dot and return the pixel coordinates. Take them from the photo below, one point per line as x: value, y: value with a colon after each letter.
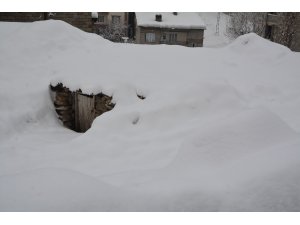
x: 252, y: 44
x: 54, y: 36
x: 246, y: 133
x: 218, y: 129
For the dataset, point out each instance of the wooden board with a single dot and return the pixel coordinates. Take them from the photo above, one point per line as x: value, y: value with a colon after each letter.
x: 84, y: 112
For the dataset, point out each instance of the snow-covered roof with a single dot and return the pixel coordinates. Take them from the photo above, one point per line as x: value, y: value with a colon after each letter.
x: 94, y: 15
x: 183, y: 20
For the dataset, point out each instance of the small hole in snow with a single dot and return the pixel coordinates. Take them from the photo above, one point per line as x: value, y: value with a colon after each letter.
x: 136, y: 120
x: 141, y: 96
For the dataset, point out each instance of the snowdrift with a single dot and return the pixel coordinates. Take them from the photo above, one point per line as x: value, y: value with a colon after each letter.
x: 218, y: 129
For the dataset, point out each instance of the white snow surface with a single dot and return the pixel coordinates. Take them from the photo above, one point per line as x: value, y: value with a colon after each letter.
x: 212, y: 38
x: 183, y: 20
x: 217, y: 131
x: 94, y: 15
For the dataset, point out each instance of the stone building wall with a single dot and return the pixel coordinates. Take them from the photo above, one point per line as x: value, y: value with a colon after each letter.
x: 284, y: 28
x: 22, y: 16
x: 81, y: 20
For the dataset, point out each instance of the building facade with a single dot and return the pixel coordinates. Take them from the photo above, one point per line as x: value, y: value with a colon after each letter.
x: 112, y: 18
x: 185, y: 29
x: 112, y: 25
x: 154, y: 35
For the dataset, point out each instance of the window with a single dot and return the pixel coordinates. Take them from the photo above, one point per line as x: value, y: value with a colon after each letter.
x: 173, y: 37
x: 101, y: 18
x: 150, y: 37
x: 163, y: 37
x: 268, y: 32
x: 116, y: 20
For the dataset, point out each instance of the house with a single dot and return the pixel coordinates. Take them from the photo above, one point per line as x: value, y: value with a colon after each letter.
x: 112, y: 18
x: 146, y: 28
x: 112, y: 25
x: 284, y: 28
x: 81, y: 20
x: 175, y: 28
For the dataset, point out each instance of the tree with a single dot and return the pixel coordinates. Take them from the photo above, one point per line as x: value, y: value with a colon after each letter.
x: 113, y: 32
x: 285, y: 28
x: 218, y: 24
x: 241, y: 23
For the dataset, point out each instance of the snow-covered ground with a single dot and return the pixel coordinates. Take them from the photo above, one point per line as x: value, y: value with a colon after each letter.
x: 218, y: 130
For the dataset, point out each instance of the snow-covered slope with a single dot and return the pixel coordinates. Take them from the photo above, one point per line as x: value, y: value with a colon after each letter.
x: 218, y: 130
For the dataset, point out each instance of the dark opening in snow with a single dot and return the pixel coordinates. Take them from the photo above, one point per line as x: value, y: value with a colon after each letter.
x: 141, y: 96
x: 77, y: 110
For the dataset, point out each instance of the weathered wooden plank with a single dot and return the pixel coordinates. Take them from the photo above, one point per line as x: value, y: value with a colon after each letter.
x: 85, y: 113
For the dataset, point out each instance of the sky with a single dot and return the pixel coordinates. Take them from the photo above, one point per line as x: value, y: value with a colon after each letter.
x: 154, y: 5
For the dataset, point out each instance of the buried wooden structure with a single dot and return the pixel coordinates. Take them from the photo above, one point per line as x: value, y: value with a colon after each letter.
x: 77, y: 110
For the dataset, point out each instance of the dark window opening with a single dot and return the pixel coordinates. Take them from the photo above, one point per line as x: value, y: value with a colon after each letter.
x: 173, y: 37
x: 150, y: 37
x: 268, y: 32
x: 116, y: 20
x: 101, y: 18
x: 131, y: 25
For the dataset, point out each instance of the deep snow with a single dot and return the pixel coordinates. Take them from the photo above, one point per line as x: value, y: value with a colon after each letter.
x: 218, y: 130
